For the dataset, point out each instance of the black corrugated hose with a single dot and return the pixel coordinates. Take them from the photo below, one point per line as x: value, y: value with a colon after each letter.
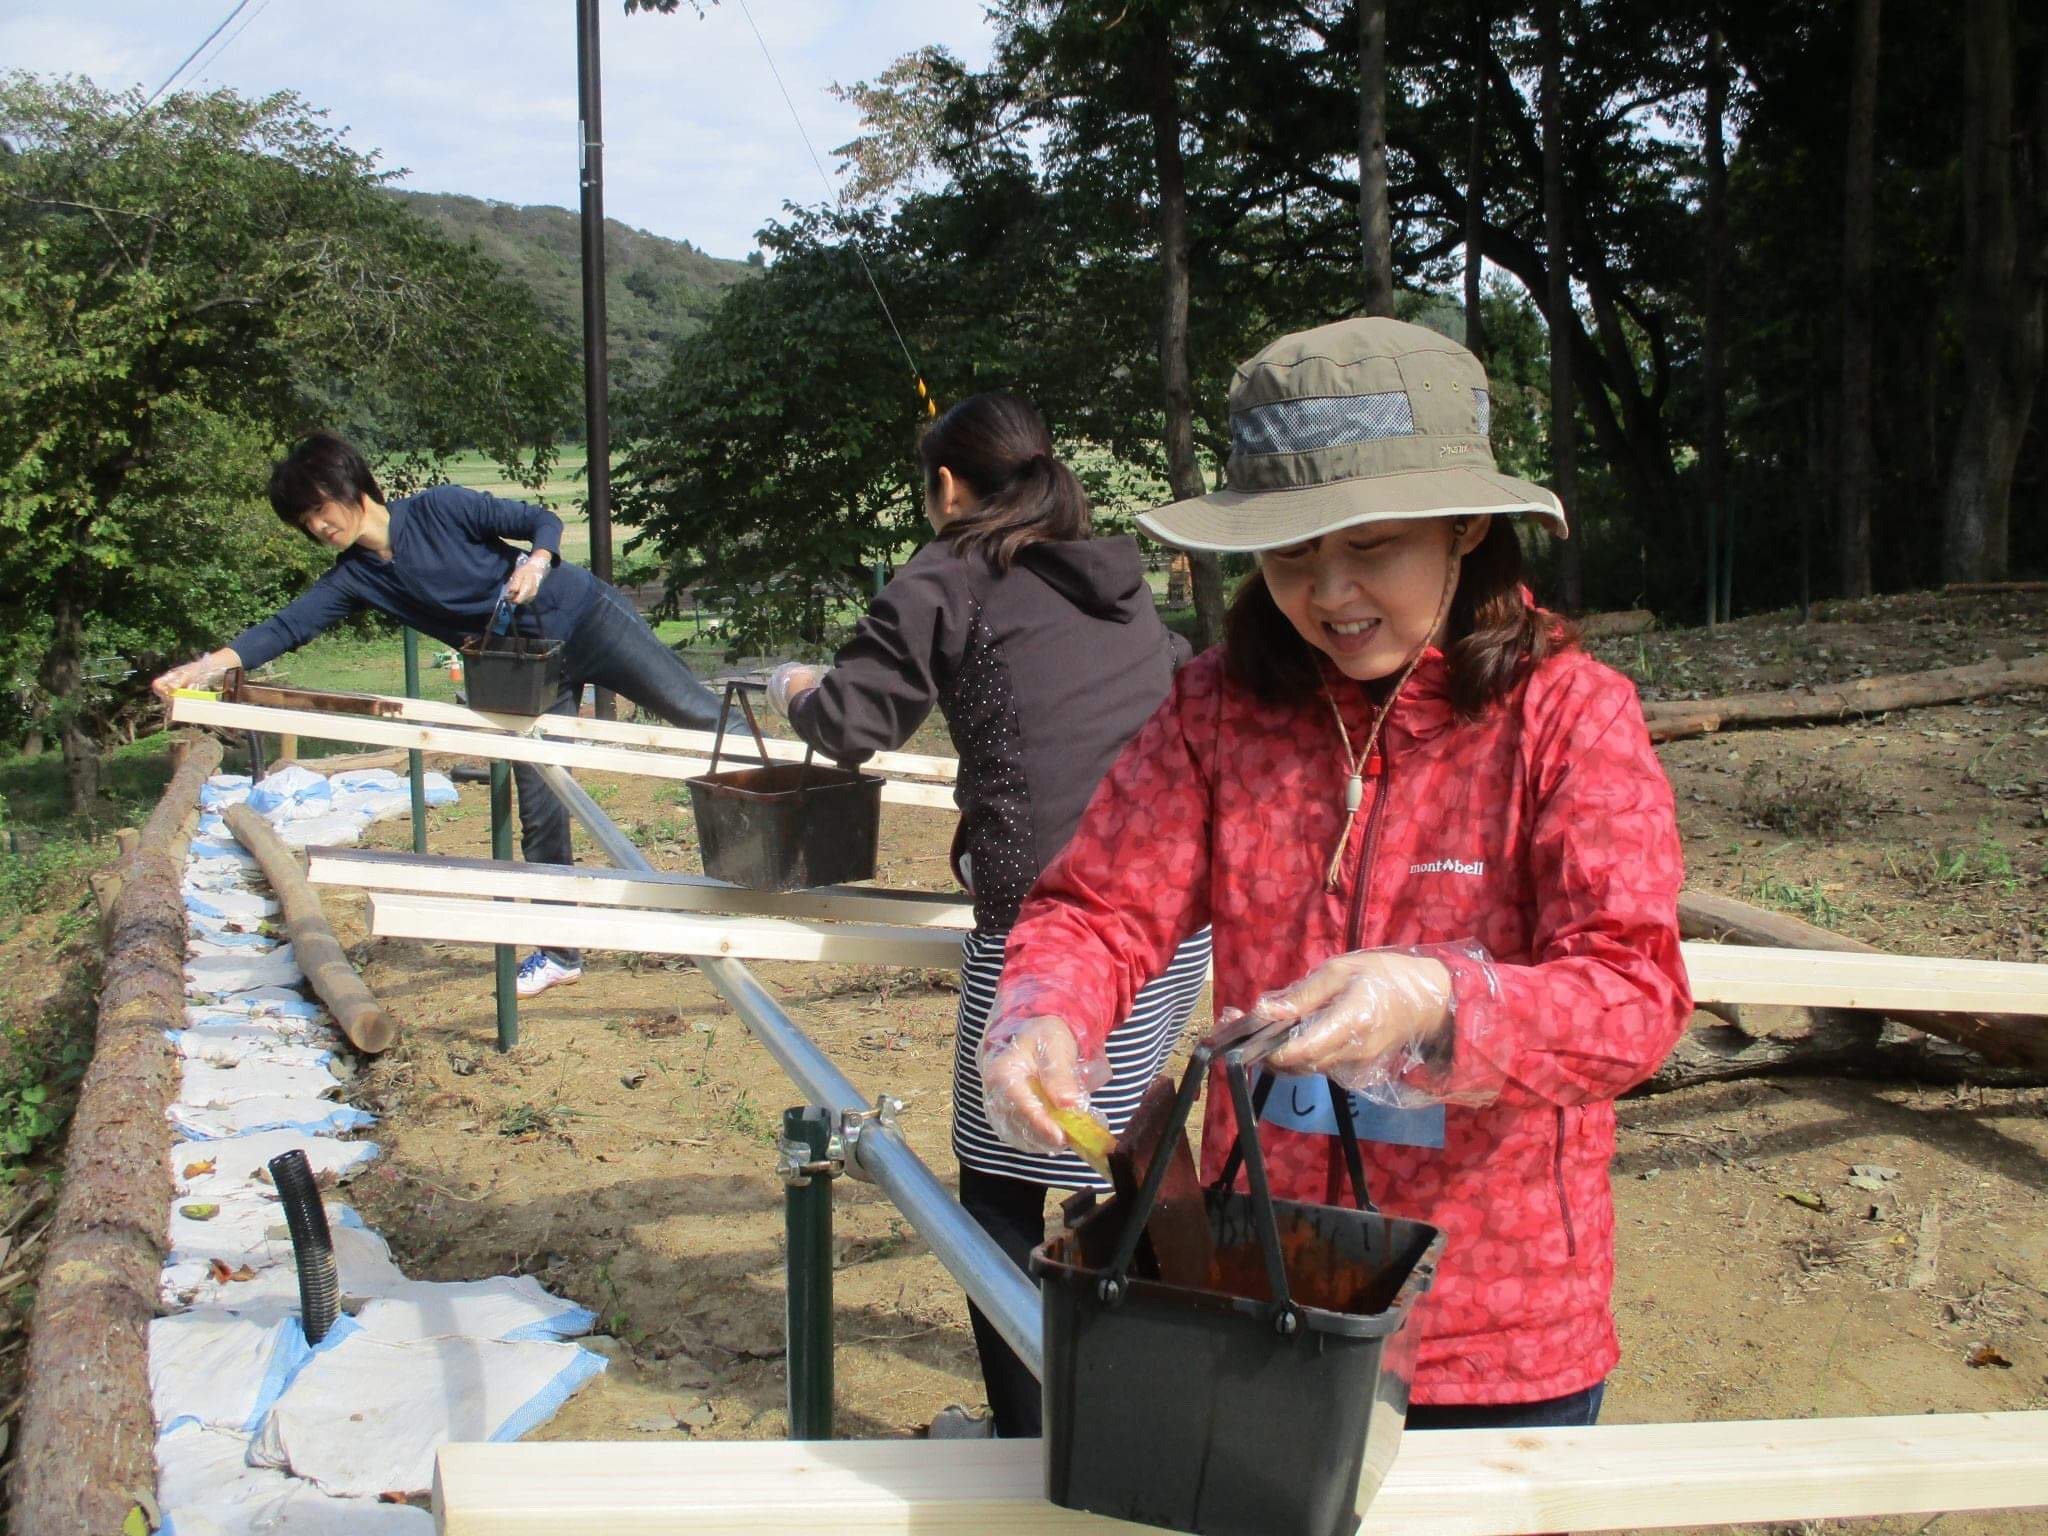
x: 312, y: 1243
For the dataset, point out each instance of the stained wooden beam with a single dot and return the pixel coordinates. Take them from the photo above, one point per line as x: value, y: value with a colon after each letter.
x: 1473, y: 1482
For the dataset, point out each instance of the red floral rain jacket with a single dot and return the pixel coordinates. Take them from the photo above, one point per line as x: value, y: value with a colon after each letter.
x: 1545, y: 832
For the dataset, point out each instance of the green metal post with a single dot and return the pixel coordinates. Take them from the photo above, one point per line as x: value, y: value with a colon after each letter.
x: 416, y: 764
x: 807, y: 1216
x: 501, y: 848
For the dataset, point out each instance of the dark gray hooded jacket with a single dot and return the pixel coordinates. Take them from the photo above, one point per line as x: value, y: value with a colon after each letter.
x: 1043, y: 672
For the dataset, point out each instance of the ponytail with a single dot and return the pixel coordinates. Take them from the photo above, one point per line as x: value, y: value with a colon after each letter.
x: 997, y: 446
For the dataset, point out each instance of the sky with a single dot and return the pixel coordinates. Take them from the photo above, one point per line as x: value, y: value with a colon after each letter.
x: 479, y: 96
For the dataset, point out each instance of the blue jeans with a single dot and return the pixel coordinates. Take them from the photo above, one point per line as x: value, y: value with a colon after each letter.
x: 1580, y: 1408
x: 612, y: 647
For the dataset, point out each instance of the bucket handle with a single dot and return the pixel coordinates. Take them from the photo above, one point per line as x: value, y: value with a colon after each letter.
x: 736, y: 687
x: 1286, y: 1316
x: 1347, y: 1136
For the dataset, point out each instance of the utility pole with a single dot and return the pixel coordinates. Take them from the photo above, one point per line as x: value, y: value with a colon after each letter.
x: 597, y: 431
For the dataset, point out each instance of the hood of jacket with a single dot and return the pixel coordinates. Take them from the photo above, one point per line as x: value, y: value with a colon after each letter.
x: 1104, y: 578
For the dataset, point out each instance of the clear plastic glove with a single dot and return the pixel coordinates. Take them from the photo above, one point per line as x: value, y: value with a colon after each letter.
x: 789, y: 680
x: 1376, y: 1021
x: 1032, y: 1071
x: 523, y: 585
x: 202, y: 673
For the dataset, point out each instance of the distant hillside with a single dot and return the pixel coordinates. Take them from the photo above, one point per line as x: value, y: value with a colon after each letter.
x: 655, y: 289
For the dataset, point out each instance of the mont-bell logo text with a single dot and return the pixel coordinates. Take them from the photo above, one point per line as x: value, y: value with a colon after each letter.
x: 1473, y: 867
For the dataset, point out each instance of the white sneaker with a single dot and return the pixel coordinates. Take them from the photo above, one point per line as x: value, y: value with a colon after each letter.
x: 537, y: 972
x: 958, y: 1423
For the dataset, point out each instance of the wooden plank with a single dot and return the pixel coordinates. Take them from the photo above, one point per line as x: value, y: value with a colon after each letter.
x: 386, y: 732
x: 1729, y: 973
x: 403, y: 916
x: 598, y: 885
x: 1444, y: 1483
x: 633, y: 733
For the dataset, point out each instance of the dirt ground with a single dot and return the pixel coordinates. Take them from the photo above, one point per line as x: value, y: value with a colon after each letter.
x: 623, y: 1153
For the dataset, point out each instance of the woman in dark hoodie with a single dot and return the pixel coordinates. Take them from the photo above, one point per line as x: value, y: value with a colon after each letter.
x: 1041, y: 646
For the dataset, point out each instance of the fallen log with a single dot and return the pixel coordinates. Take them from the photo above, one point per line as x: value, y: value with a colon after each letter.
x: 2000, y: 1039
x: 369, y: 1026
x: 1630, y: 621
x: 88, y: 1432
x: 1830, y: 1043
x: 1676, y: 719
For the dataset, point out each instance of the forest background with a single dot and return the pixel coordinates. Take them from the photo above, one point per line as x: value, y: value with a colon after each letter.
x: 1760, y: 289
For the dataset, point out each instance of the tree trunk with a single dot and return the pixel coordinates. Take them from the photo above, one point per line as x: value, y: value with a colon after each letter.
x: 1831, y: 1044
x: 2004, y: 265
x: 2006, y: 1042
x: 1373, y: 211
x: 1714, y: 450
x: 369, y: 1027
x: 62, y: 678
x: 1479, y: 42
x: 1183, y: 472
x: 87, y: 1432
x: 1558, y: 311
x: 1677, y: 719
x: 1859, y: 448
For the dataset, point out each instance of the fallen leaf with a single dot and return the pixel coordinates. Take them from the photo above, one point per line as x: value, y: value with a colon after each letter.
x: 1984, y: 1355
x: 137, y: 1523
x: 202, y: 1210
x: 1805, y: 1197
x: 199, y: 1170
x: 634, y: 1078
x: 218, y: 1268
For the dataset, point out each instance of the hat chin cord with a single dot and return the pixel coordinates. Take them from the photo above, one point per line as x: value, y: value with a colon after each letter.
x: 1354, y: 766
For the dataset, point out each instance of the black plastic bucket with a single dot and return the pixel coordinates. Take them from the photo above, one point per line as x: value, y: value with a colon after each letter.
x: 786, y: 826
x: 1244, y: 1408
x: 511, y: 674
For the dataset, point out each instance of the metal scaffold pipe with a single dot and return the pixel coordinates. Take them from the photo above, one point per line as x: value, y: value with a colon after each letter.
x: 969, y: 1254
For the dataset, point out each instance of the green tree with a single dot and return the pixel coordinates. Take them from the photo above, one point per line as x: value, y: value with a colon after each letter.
x: 215, y: 275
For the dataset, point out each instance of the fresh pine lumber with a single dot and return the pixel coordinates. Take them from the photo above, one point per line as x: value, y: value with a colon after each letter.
x: 739, y: 744
x: 1472, y: 1482
x: 1676, y: 719
x: 2001, y: 1041
x: 1735, y: 973
x: 491, y: 744
x: 601, y: 885
x: 370, y: 1026
x: 1630, y: 621
x: 397, y: 915
x: 88, y: 1433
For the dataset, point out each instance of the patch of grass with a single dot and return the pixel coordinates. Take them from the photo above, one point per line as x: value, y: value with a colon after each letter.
x: 1983, y: 864
x: 748, y: 1119
x: 42, y: 1062
x: 1807, y: 800
x: 528, y: 1119
x: 1810, y: 902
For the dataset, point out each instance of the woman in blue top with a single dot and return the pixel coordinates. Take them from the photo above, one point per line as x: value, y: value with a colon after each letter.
x: 438, y: 562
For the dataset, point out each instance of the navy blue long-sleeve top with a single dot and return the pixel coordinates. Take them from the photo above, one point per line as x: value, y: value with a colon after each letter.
x: 449, y: 563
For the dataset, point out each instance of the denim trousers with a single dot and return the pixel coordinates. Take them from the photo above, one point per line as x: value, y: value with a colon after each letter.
x: 613, y: 648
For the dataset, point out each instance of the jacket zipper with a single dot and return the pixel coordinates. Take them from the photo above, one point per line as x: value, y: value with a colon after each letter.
x: 1564, y: 1204
x: 1354, y: 926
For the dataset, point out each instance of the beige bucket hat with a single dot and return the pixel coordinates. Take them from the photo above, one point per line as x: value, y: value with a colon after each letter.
x: 1357, y: 422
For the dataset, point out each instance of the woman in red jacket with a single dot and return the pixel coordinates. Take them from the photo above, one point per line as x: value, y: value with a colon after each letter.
x: 1429, y: 833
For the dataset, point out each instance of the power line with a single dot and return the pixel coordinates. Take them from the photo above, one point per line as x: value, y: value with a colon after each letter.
x: 833, y: 197
x: 129, y: 123
x: 228, y: 42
